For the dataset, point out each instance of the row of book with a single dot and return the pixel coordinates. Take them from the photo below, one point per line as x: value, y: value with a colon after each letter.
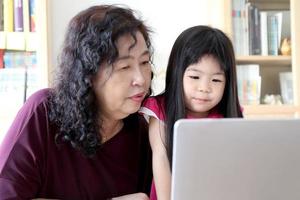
x: 258, y: 32
x: 17, y: 59
x: 18, y: 15
x: 249, y: 85
x: 17, y: 84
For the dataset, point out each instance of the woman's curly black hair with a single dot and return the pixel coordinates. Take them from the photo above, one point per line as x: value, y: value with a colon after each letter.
x: 90, y: 40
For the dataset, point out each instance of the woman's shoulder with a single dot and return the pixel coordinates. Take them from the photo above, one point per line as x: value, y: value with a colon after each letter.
x: 28, y: 142
x: 32, y: 114
x: 38, y: 97
x: 36, y: 103
x: 29, y: 129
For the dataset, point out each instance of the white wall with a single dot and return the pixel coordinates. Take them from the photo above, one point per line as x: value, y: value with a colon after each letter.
x: 166, y: 17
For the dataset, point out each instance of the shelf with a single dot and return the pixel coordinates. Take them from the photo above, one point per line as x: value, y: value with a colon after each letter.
x: 265, y: 60
x: 31, y: 41
x: 271, y: 66
x: 27, y: 41
x: 271, y: 4
x: 270, y: 1
x: 15, y: 41
x: 23, y: 41
x: 273, y: 111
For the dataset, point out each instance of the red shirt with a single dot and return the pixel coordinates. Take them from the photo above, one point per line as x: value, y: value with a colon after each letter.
x: 154, y: 107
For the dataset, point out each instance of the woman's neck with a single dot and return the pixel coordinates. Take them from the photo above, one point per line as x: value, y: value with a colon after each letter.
x: 109, y: 128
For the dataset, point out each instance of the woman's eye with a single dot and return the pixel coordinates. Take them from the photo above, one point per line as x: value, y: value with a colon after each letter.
x: 146, y: 62
x: 125, y: 67
x: 194, y: 77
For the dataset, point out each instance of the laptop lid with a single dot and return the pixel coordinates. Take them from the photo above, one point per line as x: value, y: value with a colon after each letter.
x: 236, y: 159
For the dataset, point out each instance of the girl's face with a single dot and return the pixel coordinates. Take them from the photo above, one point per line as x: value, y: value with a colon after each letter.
x: 121, y: 87
x: 203, y: 85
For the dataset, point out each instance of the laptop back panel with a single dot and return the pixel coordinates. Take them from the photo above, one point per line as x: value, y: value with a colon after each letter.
x: 236, y: 159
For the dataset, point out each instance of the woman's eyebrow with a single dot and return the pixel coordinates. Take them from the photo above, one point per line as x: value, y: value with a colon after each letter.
x: 146, y: 52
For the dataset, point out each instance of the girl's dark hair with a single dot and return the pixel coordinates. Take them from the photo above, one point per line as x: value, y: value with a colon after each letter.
x: 90, y: 40
x: 191, y: 45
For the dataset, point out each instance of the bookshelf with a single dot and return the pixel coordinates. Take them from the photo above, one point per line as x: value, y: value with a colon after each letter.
x: 271, y: 65
x: 13, y: 76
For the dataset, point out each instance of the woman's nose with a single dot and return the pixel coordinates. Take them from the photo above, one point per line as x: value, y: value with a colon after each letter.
x: 138, y: 78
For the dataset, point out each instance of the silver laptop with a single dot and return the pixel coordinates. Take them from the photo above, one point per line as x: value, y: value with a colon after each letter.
x: 236, y: 159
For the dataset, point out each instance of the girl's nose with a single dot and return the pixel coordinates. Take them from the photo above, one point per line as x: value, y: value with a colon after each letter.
x: 204, y: 87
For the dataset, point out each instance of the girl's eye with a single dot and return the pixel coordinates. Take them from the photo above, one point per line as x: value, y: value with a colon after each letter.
x: 194, y: 77
x: 217, y: 80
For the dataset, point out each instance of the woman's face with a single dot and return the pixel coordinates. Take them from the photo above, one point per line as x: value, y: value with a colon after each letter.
x: 121, y: 87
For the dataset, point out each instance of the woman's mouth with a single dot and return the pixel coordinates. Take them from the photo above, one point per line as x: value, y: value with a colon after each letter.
x: 138, y: 97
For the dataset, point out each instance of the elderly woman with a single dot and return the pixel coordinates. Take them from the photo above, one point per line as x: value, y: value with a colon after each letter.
x: 83, y: 138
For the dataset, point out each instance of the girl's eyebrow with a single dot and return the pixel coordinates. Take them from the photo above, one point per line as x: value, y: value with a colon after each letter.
x: 193, y: 69
x: 219, y: 73
x: 199, y: 71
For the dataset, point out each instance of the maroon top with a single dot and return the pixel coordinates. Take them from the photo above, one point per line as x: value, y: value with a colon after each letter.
x: 32, y: 165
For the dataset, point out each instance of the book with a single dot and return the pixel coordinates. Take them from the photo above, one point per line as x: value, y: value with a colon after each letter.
x: 240, y: 26
x: 236, y: 25
x: 18, y: 16
x: 8, y: 17
x: 1, y: 58
x: 273, y: 45
x: 16, y: 85
x: 286, y: 87
x: 264, y: 33
x: 32, y: 15
x: 1, y: 16
x: 284, y: 30
x: 286, y: 25
x: 19, y: 59
x: 274, y: 24
x: 249, y: 84
x: 254, y: 30
x: 245, y: 27
x: 12, y: 87
x: 26, y: 24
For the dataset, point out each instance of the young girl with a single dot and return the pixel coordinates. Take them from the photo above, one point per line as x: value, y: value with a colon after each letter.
x: 200, y: 83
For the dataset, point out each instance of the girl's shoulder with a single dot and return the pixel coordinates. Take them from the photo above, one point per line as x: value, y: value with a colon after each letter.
x: 153, y: 107
x: 155, y: 102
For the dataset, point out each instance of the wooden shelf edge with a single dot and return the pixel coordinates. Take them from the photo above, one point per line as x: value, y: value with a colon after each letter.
x: 271, y: 110
x: 272, y: 60
x: 271, y: 4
